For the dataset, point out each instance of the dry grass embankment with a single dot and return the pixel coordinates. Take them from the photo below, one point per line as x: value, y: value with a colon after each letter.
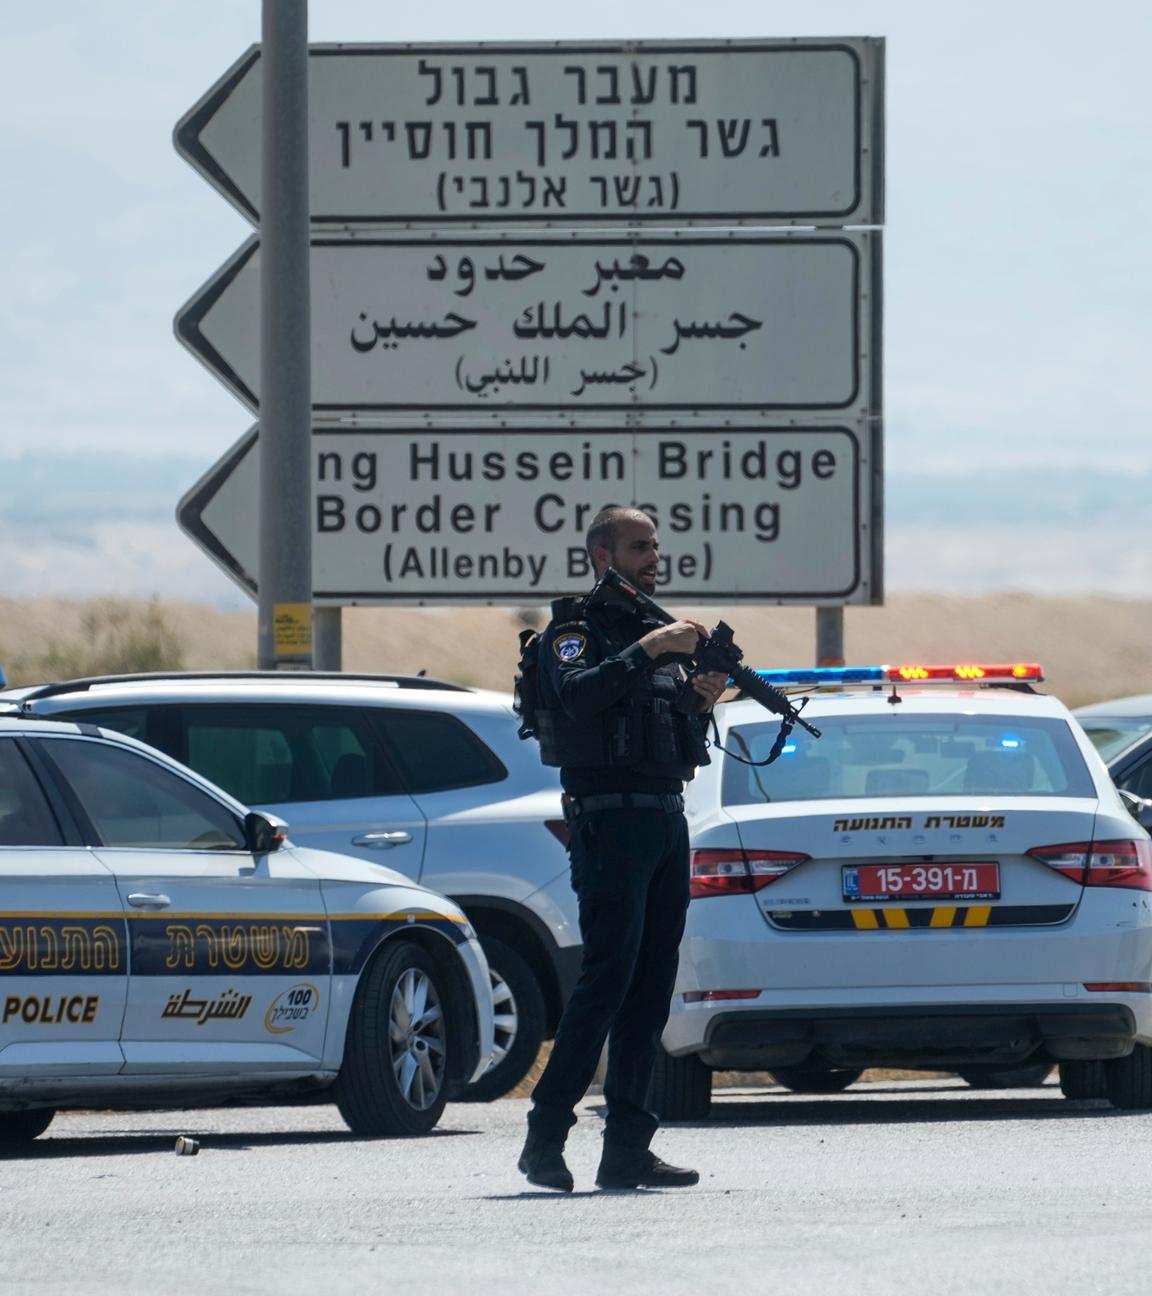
x: 1092, y: 648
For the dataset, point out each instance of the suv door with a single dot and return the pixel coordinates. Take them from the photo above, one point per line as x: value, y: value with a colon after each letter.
x: 220, y: 939
x: 321, y: 768
x: 478, y: 839
x: 63, y: 942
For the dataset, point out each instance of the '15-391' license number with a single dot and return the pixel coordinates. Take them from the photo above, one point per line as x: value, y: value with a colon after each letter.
x: 922, y: 881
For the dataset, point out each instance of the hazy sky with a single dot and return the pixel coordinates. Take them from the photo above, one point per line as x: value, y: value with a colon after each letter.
x: 1018, y: 323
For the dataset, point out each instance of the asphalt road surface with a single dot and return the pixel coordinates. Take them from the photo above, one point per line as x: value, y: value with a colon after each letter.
x: 907, y: 1188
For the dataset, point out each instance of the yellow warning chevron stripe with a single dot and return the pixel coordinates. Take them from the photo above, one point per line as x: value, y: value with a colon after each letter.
x: 977, y: 916
x: 943, y: 916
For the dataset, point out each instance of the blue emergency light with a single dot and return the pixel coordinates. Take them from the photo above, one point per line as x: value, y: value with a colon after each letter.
x: 818, y: 676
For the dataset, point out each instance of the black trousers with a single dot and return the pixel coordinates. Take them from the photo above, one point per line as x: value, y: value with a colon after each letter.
x: 630, y: 875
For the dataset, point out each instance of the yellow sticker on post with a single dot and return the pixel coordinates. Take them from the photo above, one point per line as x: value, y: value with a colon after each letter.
x: 292, y: 629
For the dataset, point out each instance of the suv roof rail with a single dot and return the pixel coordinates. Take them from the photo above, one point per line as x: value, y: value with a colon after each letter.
x: 37, y: 691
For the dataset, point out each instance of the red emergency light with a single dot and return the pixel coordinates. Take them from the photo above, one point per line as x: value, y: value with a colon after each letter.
x: 970, y: 673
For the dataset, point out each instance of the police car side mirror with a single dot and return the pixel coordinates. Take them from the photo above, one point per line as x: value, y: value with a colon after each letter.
x: 263, y: 833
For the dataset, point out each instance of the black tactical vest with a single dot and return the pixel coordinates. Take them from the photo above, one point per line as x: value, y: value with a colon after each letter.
x: 652, y: 731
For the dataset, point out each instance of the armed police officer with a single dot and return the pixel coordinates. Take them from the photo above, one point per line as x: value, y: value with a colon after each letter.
x: 626, y: 728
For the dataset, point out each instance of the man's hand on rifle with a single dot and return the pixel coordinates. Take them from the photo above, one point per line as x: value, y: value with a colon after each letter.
x: 681, y: 637
x: 709, y: 686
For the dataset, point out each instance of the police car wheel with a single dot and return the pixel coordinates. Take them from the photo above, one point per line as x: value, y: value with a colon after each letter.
x: 393, y: 1079
x: 815, y: 1079
x: 1079, y: 1080
x: 681, y: 1087
x: 519, y: 1010
x: 1129, y: 1079
x: 18, y: 1128
x: 1005, y: 1077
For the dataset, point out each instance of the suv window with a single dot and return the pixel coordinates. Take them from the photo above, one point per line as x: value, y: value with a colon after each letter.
x: 26, y: 818
x: 266, y: 755
x: 133, y: 801
x: 1111, y: 734
x: 132, y: 721
x: 436, y: 752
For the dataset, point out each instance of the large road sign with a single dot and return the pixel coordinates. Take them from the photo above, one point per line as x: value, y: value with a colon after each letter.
x: 742, y: 321
x: 707, y: 132
x: 419, y: 515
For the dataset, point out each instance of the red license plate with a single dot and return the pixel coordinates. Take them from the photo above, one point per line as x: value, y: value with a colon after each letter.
x: 957, y: 881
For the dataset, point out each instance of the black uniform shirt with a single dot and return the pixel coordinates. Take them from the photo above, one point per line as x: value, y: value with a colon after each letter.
x: 585, y: 670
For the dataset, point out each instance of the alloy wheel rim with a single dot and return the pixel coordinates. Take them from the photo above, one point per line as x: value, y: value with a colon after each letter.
x: 417, y: 1039
x: 506, y: 1018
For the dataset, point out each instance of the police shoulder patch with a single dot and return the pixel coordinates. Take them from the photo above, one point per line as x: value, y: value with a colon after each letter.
x: 569, y: 645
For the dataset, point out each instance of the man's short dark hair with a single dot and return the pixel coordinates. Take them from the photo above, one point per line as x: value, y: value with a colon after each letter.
x: 606, y: 524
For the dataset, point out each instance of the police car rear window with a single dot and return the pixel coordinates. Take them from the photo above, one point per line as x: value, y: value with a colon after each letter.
x: 909, y: 756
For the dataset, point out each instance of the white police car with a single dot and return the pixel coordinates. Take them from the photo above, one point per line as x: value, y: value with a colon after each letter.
x: 161, y: 945
x: 426, y: 776
x: 946, y: 878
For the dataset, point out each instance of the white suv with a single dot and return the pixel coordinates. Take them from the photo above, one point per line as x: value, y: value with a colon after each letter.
x: 425, y: 776
x: 162, y: 945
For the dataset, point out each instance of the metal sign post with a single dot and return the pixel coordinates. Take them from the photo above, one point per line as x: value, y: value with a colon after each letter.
x: 285, y: 494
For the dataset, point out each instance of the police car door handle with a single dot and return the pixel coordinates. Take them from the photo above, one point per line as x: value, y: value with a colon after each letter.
x: 142, y: 900
x: 383, y: 840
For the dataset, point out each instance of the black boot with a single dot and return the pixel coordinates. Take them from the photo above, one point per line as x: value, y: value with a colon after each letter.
x: 542, y: 1161
x: 629, y: 1167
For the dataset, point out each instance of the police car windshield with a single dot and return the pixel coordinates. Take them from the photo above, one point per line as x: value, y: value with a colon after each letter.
x: 908, y: 755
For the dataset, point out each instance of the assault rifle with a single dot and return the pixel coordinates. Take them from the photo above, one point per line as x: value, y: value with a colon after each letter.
x: 719, y: 652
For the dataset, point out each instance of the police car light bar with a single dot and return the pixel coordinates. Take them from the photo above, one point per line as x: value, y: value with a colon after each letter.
x: 967, y: 673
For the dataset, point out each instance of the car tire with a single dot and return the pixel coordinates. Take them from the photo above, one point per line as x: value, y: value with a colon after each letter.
x: 519, y: 1005
x: 1129, y: 1079
x: 17, y: 1129
x: 1083, y: 1080
x: 816, y: 1079
x: 1005, y: 1077
x: 393, y: 1081
x: 681, y: 1088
